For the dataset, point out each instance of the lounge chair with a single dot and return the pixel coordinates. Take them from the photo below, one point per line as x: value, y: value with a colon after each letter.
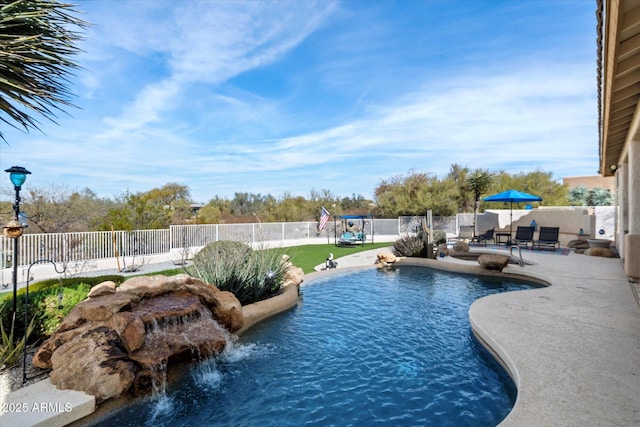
x: 466, y: 233
x: 548, y: 238
x: 485, y: 237
x: 524, y: 235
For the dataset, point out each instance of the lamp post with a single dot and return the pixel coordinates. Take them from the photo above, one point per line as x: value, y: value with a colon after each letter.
x: 17, y: 175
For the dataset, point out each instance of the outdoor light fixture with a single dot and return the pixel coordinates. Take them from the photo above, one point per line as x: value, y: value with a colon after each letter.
x: 614, y: 168
x: 17, y: 175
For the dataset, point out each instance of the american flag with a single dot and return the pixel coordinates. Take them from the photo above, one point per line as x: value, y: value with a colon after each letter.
x: 324, y: 217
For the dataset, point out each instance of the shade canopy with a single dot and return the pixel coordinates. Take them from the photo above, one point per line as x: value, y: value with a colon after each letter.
x: 513, y: 196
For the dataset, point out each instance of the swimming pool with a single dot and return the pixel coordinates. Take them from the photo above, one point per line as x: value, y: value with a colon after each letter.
x: 365, y: 348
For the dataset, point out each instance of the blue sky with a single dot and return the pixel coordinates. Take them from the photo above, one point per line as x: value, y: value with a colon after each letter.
x: 276, y: 97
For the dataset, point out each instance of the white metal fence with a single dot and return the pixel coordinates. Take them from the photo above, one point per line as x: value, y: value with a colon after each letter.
x: 70, y: 247
x: 89, y: 246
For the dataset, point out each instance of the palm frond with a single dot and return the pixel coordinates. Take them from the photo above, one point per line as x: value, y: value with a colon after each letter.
x: 37, y: 44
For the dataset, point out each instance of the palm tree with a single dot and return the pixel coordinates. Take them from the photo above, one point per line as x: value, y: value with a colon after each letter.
x: 37, y: 41
x: 478, y: 183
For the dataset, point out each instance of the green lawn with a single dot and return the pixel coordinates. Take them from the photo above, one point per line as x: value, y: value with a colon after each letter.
x: 305, y: 257
x: 308, y: 256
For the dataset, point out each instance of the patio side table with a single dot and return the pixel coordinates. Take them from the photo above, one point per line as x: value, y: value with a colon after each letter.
x: 503, y: 238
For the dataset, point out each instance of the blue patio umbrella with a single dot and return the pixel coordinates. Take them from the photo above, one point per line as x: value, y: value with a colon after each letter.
x: 512, y: 196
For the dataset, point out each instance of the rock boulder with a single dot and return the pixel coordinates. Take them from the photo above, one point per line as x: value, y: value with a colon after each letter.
x: 493, y: 262
x: 601, y: 252
x: 294, y: 275
x: 461, y: 247
x: 385, y: 258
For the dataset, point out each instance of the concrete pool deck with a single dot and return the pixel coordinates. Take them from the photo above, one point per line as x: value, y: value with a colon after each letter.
x: 573, y: 348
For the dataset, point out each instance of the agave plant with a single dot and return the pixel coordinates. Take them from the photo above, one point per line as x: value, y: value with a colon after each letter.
x: 10, y: 347
x: 37, y: 42
x: 409, y: 246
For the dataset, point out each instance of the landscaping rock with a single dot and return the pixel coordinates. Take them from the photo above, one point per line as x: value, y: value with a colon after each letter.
x: 461, y: 247
x: 578, y: 244
x: 601, y: 252
x: 294, y: 275
x: 493, y: 262
x: 104, y: 288
x: 385, y: 258
x: 94, y: 363
x: 229, y: 311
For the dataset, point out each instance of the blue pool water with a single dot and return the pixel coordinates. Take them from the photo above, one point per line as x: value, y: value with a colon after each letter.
x: 389, y: 348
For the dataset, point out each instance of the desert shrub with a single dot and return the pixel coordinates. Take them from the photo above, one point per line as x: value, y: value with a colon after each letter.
x: 232, y: 266
x: 439, y: 237
x: 409, y: 246
x: 223, y: 248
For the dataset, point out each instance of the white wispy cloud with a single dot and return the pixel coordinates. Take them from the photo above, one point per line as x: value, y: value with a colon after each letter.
x: 209, y: 42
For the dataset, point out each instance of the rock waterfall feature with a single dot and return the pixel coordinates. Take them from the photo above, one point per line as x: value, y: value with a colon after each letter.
x: 122, y: 339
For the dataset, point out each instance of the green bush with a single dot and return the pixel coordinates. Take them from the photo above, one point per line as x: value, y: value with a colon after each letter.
x: 43, y: 303
x: 232, y: 266
x: 54, y: 305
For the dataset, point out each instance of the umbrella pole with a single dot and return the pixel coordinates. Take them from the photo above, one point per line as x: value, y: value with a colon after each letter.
x: 511, y: 223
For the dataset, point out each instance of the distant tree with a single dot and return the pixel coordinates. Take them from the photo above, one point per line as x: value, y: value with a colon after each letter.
x: 414, y: 194
x: 244, y: 206
x: 292, y: 208
x: 36, y: 47
x: 136, y: 212
x: 478, y: 183
x: 356, y: 205
x: 174, y: 197
x: 57, y: 209
x: 170, y: 193
x: 458, y: 175
x: 214, y: 211
x: 154, y: 209
x: 538, y: 183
